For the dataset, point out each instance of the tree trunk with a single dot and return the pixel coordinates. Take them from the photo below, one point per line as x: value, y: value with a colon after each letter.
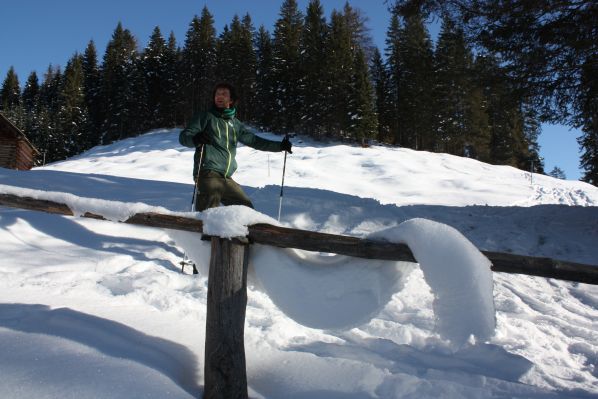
x: 225, y: 369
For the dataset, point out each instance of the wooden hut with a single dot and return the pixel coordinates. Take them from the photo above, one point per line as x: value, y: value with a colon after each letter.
x: 16, y: 151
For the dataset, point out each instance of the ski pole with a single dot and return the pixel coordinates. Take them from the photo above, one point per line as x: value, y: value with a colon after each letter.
x: 284, y: 166
x: 185, y: 261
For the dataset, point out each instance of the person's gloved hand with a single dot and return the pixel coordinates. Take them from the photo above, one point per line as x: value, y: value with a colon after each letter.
x: 285, y: 145
x: 202, y: 138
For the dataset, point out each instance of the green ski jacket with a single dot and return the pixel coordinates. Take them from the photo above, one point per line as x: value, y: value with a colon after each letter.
x: 224, y: 132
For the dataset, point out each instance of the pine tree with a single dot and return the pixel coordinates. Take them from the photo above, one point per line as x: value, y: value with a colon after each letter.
x: 452, y: 61
x: 340, y: 76
x: 462, y: 126
x: 138, y: 101
x: 171, y: 103
x: 119, y: 82
x: 10, y: 94
x: 416, y: 86
x: 154, y: 63
x: 47, y: 115
x: 30, y: 99
x: 265, y: 101
x: 588, y: 107
x: 237, y: 64
x: 31, y: 92
x: 316, y: 95
x: 10, y: 100
x: 394, y: 68
x: 248, y: 73
x: 199, y: 64
x: 507, y: 144
x: 477, y: 137
x: 74, y: 125
x: 360, y: 33
x: 531, y: 131
x: 224, y: 55
x: 50, y: 89
x: 288, y: 72
x: 92, y: 87
x: 360, y: 118
x: 364, y: 122
x: 558, y: 173
x: 381, y: 82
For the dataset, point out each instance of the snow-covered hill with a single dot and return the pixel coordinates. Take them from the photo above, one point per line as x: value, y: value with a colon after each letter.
x: 100, y: 309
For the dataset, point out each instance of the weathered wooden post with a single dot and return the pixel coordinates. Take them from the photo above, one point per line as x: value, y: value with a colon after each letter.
x: 225, y: 369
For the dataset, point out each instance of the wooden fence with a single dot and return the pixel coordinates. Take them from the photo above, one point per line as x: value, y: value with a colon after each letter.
x: 284, y: 237
x: 224, y: 369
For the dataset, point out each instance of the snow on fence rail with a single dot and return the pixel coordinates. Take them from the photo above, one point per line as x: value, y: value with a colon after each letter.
x: 284, y: 237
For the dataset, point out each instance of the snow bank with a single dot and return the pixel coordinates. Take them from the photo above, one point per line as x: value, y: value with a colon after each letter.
x: 457, y: 272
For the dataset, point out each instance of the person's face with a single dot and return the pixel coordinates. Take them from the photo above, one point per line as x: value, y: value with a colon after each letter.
x: 222, y: 98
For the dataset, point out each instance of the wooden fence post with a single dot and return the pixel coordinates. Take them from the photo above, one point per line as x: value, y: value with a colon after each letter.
x: 225, y: 369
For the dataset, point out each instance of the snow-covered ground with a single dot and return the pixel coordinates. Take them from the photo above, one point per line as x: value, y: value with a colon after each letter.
x: 93, y: 309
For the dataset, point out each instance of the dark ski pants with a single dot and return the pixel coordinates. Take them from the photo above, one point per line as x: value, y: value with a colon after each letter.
x: 214, y: 189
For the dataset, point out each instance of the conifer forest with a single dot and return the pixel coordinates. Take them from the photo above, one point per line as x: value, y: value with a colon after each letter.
x: 482, y: 89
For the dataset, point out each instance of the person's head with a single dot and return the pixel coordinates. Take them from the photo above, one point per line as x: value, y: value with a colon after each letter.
x: 224, y: 95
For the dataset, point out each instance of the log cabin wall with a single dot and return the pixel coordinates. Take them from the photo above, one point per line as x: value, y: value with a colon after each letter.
x: 8, y: 153
x: 16, y: 152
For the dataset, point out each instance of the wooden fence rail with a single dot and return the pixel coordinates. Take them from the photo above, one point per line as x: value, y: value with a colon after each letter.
x: 284, y: 237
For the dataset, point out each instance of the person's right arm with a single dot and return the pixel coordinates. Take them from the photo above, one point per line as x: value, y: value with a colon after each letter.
x: 195, y: 134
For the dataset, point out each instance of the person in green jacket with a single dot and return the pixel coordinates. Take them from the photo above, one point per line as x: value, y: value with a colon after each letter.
x: 218, y: 131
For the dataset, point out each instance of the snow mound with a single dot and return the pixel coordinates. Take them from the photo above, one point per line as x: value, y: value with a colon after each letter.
x: 458, y: 274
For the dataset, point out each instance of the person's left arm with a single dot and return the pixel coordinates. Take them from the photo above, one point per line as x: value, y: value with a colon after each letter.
x: 259, y: 143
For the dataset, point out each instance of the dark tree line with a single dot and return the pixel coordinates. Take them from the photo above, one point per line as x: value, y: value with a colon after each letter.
x: 548, y: 54
x: 312, y: 75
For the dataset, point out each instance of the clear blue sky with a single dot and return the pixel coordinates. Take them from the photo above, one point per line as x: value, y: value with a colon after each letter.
x: 36, y: 33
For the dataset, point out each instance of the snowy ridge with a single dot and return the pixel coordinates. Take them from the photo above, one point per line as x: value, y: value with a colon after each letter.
x: 107, y: 303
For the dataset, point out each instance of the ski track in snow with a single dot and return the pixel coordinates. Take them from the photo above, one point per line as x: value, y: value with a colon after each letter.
x: 107, y: 305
